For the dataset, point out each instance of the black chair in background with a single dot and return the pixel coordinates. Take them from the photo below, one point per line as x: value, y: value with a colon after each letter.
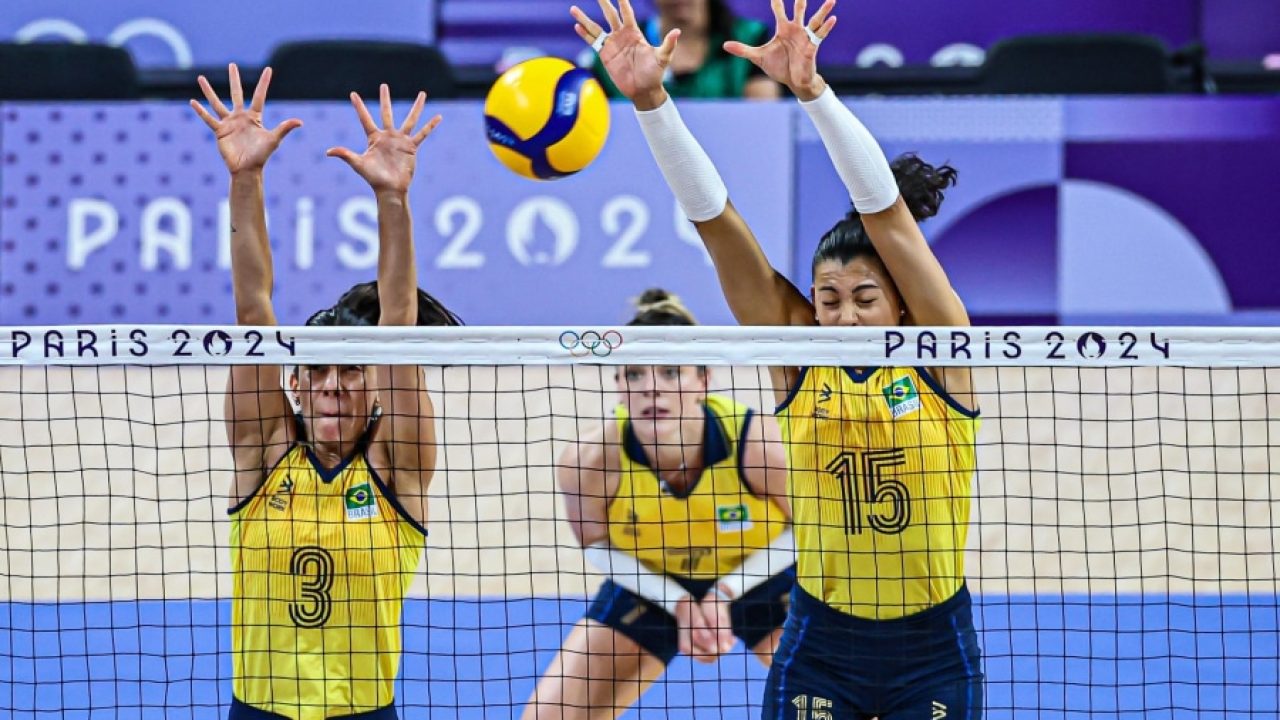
x: 66, y: 71
x: 330, y: 70
x: 1085, y: 64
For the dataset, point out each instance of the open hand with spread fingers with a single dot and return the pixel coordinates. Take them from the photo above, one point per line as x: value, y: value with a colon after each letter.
x: 790, y: 56
x: 244, y: 143
x: 635, y: 66
x: 387, y: 164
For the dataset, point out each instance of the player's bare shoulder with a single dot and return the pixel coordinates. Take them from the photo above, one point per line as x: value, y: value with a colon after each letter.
x: 592, y: 462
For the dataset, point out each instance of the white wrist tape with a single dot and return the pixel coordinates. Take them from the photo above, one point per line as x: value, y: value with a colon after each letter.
x: 856, y: 154
x: 631, y: 574
x: 762, y: 565
x: 688, y: 170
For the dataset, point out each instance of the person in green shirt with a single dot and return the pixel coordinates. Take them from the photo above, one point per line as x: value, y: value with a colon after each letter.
x: 702, y: 69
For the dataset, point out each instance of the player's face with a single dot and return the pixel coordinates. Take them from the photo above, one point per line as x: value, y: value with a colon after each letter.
x: 336, y: 402
x: 658, y: 397
x: 684, y: 14
x: 859, y: 292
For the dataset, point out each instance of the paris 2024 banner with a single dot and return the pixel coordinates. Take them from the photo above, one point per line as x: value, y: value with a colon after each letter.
x: 1118, y: 210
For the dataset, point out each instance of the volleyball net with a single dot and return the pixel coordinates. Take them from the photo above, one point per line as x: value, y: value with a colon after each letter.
x: 1122, y: 551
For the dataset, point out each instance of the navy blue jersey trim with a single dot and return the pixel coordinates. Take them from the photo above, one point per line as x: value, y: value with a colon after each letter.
x: 715, y: 449
x: 860, y: 376
x: 791, y: 394
x: 742, y: 455
x: 941, y: 392
x: 261, y: 483
x: 390, y: 495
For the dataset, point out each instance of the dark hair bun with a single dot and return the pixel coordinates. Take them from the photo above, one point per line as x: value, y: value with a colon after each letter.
x: 922, y: 184
x: 652, y: 296
x: 656, y: 306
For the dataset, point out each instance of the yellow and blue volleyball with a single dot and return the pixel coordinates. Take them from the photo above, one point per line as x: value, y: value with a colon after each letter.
x: 546, y: 118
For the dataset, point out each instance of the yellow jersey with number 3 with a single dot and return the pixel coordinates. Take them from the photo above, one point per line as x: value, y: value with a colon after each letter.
x: 880, y: 466
x: 321, y: 563
x: 708, y: 530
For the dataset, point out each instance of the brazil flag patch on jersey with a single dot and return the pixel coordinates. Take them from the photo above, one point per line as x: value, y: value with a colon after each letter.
x: 733, y: 518
x: 902, y: 397
x: 360, y: 502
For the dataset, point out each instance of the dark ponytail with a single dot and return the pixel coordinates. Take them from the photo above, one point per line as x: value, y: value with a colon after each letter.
x: 923, y: 189
x: 921, y: 184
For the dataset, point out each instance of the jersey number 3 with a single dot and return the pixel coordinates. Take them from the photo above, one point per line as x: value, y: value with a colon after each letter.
x: 315, y: 566
x: 866, y: 479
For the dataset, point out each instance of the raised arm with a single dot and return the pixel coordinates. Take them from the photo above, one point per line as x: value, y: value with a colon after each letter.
x: 387, y: 164
x: 791, y: 59
x: 256, y: 407
x: 757, y: 294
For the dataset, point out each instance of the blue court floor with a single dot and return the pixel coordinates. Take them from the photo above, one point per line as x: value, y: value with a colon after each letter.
x: 1050, y: 657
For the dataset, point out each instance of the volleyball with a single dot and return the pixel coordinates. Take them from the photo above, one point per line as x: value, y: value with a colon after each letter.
x: 546, y: 119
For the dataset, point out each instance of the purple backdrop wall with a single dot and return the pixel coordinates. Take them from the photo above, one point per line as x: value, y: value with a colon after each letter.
x: 1075, y: 210
x: 1084, y: 210
x: 113, y: 212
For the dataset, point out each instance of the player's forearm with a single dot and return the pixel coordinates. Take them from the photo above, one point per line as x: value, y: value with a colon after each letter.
x: 251, y: 269
x: 397, y: 268
x: 687, y: 168
x: 631, y: 574
x: 857, y: 156
x: 761, y: 565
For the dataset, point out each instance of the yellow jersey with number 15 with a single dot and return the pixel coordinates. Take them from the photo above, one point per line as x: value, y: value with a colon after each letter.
x: 880, y: 466
x: 321, y: 562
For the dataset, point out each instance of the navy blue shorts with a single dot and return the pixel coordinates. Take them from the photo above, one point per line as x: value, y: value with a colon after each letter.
x: 760, y: 611
x: 925, y: 666
x: 241, y: 711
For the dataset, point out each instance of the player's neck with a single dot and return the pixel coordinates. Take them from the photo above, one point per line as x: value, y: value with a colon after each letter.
x: 331, y: 455
x: 678, y: 459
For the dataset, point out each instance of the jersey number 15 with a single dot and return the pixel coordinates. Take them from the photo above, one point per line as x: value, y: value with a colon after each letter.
x: 867, y: 488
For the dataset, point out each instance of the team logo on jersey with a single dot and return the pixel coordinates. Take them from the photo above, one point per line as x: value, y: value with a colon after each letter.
x: 361, y: 503
x: 824, y: 396
x: 902, y: 397
x: 280, y: 498
x: 733, y: 518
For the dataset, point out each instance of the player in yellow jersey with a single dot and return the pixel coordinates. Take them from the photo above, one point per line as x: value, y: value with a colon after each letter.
x: 679, y: 499
x: 880, y: 459
x: 328, y: 504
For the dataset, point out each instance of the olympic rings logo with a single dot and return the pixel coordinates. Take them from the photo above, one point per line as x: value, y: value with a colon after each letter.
x: 591, y: 342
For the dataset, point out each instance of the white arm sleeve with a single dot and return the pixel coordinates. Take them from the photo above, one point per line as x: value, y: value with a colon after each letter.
x: 631, y: 574
x: 762, y: 565
x: 856, y: 154
x: 690, y: 174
